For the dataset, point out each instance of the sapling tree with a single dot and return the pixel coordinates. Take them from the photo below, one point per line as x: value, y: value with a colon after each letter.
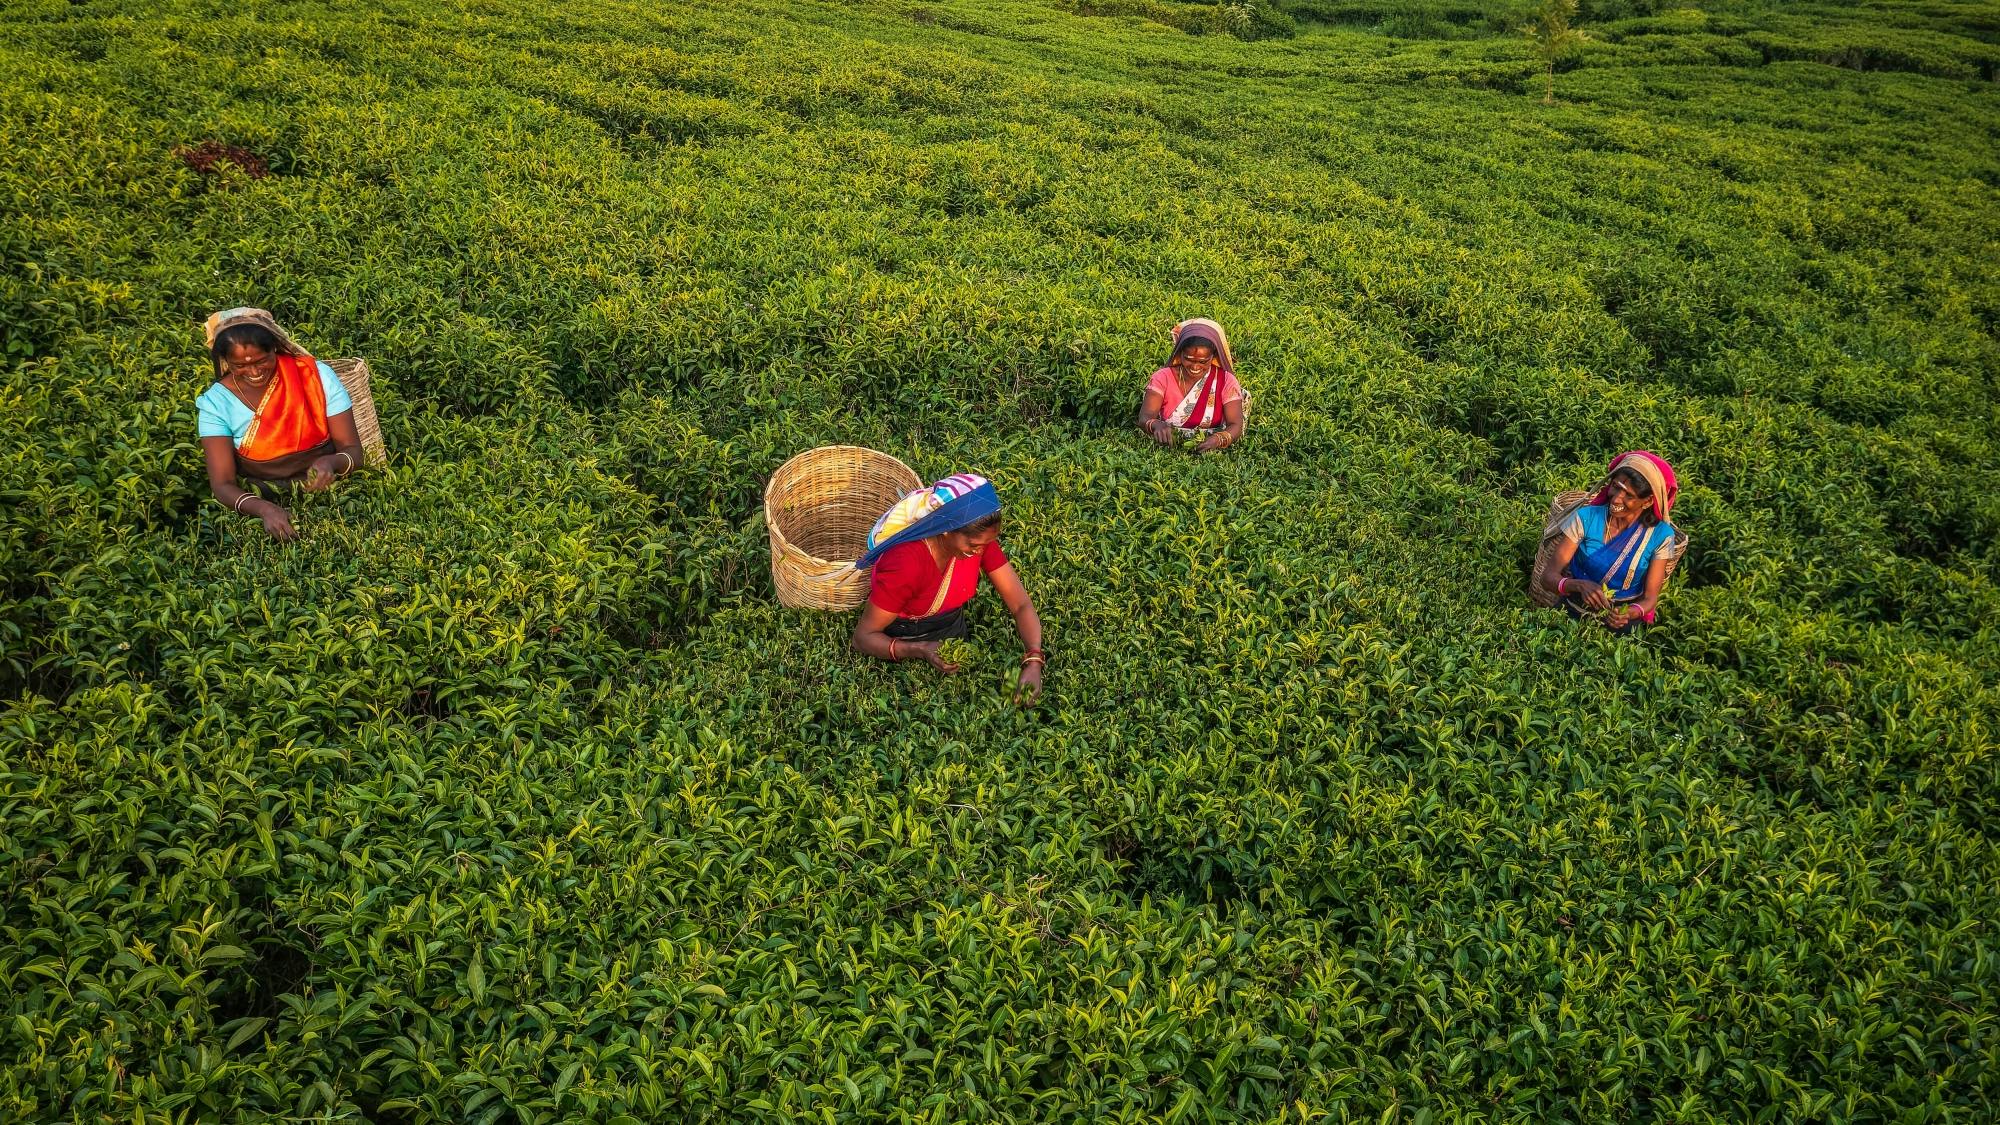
x: 1231, y: 17
x: 1554, y: 40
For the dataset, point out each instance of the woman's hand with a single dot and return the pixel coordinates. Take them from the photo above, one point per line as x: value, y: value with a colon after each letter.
x: 1028, y: 688
x: 1593, y: 595
x: 1217, y: 440
x: 321, y: 474
x: 1631, y: 613
x: 277, y: 523
x: 1162, y: 430
x: 926, y: 650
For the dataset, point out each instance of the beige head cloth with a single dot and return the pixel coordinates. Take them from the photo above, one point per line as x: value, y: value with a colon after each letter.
x: 230, y: 318
x: 1206, y: 329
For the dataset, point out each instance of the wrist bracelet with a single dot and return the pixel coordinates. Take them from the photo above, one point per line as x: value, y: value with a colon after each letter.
x: 1035, y: 659
x: 238, y: 506
x: 350, y: 461
x: 1562, y: 587
x: 892, y: 651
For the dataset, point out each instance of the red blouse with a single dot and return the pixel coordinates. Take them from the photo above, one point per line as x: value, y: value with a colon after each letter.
x: 905, y: 580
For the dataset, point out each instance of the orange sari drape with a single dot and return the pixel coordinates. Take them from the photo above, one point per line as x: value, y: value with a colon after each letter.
x: 292, y: 417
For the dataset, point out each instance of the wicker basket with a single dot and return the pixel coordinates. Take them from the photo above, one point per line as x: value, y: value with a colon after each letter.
x: 353, y: 374
x: 1563, y: 505
x: 818, y: 509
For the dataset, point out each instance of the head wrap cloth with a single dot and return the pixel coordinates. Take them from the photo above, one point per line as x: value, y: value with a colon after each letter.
x: 948, y: 505
x: 1653, y: 469
x: 1202, y: 330
x: 231, y: 318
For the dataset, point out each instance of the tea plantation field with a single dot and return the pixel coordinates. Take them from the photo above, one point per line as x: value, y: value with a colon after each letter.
x: 508, y: 793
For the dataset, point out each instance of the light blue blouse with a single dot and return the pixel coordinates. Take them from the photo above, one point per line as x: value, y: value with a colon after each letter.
x: 221, y: 414
x: 1620, y: 564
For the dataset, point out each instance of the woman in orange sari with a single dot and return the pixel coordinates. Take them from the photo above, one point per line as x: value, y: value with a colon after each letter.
x: 274, y: 415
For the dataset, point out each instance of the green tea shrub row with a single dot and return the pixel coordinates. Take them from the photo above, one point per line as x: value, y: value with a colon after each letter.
x: 509, y: 794
x: 1243, y: 19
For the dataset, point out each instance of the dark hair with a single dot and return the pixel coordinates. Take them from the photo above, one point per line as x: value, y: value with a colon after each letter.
x: 1631, y: 479
x: 983, y: 523
x: 255, y: 335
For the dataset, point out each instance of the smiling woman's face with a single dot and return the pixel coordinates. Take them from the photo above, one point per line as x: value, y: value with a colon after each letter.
x: 1626, y: 501
x: 965, y: 544
x: 1196, y: 359
x: 249, y: 363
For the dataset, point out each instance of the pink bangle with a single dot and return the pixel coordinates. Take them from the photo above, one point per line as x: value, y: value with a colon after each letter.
x: 1562, y: 587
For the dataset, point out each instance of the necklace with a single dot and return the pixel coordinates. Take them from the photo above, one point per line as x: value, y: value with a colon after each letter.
x: 262, y: 388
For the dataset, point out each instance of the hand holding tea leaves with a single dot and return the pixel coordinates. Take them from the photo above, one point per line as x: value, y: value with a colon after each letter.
x: 928, y: 651
x: 1028, y: 689
x: 277, y: 523
x: 1595, y: 597
x: 323, y: 472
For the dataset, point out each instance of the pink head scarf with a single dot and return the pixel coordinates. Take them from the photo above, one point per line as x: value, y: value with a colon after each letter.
x: 1656, y: 472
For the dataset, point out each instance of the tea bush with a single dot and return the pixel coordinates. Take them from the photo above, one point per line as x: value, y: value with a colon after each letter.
x: 507, y: 793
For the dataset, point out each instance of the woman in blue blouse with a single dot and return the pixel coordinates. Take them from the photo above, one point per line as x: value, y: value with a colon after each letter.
x: 1610, y: 555
x: 274, y: 414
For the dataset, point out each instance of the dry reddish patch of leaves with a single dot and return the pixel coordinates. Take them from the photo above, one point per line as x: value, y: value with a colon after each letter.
x: 204, y: 157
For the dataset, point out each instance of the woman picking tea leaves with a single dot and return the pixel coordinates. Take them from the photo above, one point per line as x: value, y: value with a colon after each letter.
x: 1195, y: 399
x: 274, y: 415
x: 1609, y: 557
x: 925, y: 556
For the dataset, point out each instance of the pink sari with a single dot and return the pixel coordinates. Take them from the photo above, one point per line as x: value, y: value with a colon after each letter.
x: 1200, y: 408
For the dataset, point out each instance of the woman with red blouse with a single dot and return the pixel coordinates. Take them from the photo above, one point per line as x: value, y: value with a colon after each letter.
x: 925, y: 556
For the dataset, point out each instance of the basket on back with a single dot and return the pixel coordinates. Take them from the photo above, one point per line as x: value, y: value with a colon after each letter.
x: 353, y: 374
x: 1561, y: 507
x: 818, y: 509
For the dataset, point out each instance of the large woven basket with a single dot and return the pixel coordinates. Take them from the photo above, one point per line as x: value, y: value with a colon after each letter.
x: 1563, y: 505
x: 353, y: 374
x: 818, y: 509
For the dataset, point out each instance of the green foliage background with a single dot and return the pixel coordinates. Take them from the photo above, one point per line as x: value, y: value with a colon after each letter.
x: 508, y: 794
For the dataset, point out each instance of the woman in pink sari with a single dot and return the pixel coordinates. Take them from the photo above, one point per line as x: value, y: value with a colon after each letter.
x: 1196, y: 395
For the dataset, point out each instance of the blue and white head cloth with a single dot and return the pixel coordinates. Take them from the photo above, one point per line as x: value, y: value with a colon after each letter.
x: 948, y: 505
